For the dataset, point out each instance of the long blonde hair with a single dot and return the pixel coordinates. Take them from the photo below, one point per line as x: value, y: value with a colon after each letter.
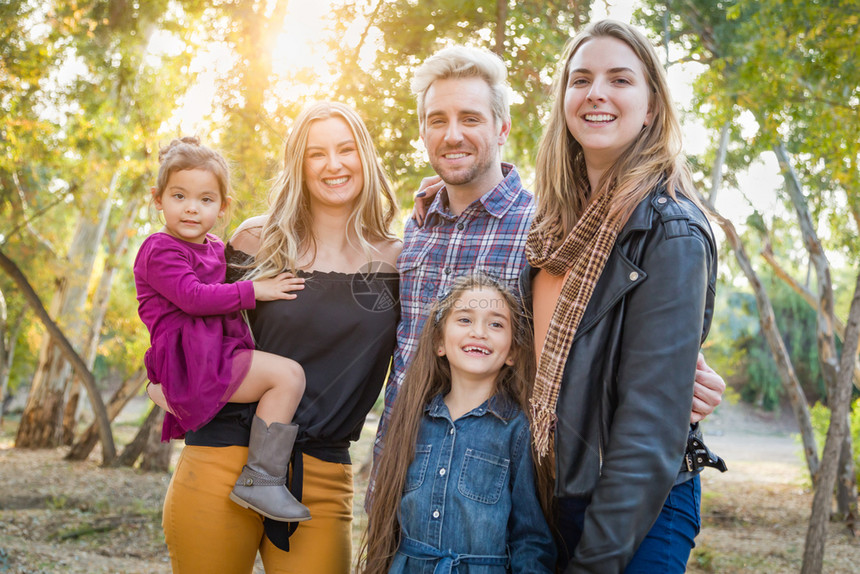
x: 287, y: 231
x: 562, y: 190
x: 428, y: 375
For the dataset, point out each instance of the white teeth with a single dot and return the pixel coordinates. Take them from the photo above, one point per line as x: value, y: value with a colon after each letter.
x: 336, y: 181
x: 599, y: 117
x: 479, y: 349
x: 455, y: 155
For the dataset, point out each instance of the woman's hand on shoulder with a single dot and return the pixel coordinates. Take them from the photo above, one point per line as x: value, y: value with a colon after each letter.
x: 246, y: 238
x: 422, y: 198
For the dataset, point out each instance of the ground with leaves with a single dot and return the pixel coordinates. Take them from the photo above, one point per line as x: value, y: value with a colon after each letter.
x: 65, y: 517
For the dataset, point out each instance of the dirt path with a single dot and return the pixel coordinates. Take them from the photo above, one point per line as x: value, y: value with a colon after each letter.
x: 80, y: 518
x: 755, y: 515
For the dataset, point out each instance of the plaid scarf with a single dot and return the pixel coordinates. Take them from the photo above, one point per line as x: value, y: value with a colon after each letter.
x: 584, y: 252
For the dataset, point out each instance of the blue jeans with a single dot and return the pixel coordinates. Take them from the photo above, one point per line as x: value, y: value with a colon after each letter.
x: 668, y: 544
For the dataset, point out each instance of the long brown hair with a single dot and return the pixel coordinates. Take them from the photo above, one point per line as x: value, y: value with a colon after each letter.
x: 287, y: 232
x: 428, y: 375
x: 562, y: 190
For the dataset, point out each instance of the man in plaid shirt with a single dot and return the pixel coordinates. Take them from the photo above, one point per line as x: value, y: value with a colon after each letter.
x: 480, y: 218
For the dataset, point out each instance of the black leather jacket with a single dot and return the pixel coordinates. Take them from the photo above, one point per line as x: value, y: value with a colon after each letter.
x: 624, y: 407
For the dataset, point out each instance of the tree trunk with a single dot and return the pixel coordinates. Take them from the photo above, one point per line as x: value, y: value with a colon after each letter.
x: 70, y: 411
x: 827, y: 356
x: 147, y: 442
x: 816, y: 536
x: 8, y: 360
x: 501, y: 24
x: 771, y: 332
x: 82, y: 448
x: 4, y: 347
x: 808, y: 296
x: 719, y: 161
x: 32, y: 298
x: 767, y: 318
x: 156, y: 454
x: 42, y: 421
x: 115, y: 252
x: 846, y: 489
x: 826, y: 338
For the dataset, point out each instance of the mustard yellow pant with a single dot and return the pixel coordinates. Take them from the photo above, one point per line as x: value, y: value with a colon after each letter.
x: 207, y: 532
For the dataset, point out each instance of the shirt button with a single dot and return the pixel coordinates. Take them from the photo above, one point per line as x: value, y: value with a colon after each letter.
x: 435, y: 514
x: 447, y: 271
x: 633, y: 276
x: 662, y: 200
x: 441, y: 472
x: 450, y: 431
x: 460, y: 226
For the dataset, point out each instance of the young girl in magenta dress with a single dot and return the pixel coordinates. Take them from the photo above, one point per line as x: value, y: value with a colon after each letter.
x: 456, y: 489
x: 202, y: 355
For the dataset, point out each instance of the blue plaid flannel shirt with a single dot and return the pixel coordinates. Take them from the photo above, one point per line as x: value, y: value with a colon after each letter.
x: 490, y: 235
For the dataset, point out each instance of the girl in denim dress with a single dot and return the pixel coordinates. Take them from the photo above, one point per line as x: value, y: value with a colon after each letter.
x: 457, y: 489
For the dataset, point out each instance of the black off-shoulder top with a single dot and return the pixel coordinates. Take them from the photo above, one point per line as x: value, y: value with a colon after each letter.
x: 341, y: 329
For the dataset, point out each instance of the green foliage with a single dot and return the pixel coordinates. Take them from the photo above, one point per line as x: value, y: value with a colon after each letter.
x: 88, y: 88
x: 792, y: 66
x: 82, y: 99
x: 792, y: 69
x: 124, y: 338
x: 820, y: 416
x: 742, y: 354
x: 530, y: 40
x: 57, y: 502
x: 249, y: 135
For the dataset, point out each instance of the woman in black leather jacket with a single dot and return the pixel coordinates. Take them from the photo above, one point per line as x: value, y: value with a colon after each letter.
x: 622, y: 277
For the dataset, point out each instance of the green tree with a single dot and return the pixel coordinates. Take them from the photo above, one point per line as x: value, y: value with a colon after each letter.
x: 792, y: 66
x: 375, y: 78
x: 796, y: 321
x: 98, y: 96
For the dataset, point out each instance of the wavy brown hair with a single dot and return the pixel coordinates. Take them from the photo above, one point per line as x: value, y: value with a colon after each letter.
x: 287, y: 231
x: 562, y: 190
x: 428, y: 375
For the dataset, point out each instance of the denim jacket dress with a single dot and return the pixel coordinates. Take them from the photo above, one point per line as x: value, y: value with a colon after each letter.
x: 469, y: 504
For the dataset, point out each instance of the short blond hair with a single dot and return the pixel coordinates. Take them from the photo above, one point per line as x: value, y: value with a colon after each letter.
x: 458, y: 62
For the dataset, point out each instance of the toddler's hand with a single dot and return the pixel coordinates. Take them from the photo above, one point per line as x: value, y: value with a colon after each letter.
x: 280, y: 287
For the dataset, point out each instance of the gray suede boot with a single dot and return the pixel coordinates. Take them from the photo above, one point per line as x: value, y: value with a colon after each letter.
x: 261, y: 486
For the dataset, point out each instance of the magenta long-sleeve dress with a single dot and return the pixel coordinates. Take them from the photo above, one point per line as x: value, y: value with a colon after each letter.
x: 201, y: 347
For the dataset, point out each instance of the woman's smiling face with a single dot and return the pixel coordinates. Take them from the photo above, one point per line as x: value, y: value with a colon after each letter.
x: 607, y: 99
x: 332, y: 164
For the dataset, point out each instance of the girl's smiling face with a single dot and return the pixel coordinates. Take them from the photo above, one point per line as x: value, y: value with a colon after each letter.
x: 476, y: 336
x: 607, y: 99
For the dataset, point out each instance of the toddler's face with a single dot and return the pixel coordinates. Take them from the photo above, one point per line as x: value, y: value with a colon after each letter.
x: 191, y: 204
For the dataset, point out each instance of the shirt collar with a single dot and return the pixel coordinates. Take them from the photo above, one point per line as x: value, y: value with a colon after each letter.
x: 496, y: 202
x: 497, y: 405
